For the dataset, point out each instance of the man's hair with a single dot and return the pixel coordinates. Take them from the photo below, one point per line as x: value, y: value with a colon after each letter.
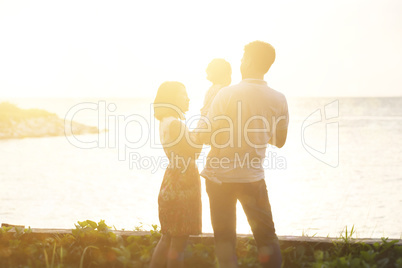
x: 219, y: 71
x: 165, y: 103
x: 262, y: 55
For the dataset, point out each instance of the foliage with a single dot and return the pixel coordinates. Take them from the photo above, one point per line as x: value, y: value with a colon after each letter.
x: 345, y: 253
x: 93, y: 244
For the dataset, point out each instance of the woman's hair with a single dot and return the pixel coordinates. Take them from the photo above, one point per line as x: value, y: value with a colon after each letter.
x: 166, y: 101
x: 219, y: 72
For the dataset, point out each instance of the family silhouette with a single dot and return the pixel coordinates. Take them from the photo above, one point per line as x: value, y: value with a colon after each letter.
x: 238, y: 122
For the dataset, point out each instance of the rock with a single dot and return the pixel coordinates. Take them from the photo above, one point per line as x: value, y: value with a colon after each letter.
x: 16, y: 123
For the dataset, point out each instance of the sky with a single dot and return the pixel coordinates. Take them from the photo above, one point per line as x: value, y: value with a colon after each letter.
x: 128, y: 48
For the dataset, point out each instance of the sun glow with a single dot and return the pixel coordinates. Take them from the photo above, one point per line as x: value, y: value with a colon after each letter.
x: 126, y: 48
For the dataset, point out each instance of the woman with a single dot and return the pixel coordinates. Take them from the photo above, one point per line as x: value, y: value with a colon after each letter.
x: 180, y: 193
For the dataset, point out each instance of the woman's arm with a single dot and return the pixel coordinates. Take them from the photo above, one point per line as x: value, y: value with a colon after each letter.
x: 182, y: 141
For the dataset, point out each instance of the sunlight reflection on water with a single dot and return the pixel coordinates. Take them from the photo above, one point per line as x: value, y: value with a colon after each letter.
x: 47, y: 182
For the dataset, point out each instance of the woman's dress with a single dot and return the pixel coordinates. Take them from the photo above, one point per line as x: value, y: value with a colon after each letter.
x: 180, y: 193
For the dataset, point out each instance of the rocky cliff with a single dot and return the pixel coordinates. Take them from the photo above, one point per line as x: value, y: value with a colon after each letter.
x: 21, y: 123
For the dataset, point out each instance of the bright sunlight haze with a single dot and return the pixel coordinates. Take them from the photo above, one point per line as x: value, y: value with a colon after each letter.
x: 127, y: 48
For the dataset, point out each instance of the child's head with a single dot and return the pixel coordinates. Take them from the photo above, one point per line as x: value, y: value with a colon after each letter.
x: 171, y: 100
x: 219, y: 72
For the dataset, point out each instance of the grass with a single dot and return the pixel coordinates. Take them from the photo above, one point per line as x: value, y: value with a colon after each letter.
x: 93, y: 244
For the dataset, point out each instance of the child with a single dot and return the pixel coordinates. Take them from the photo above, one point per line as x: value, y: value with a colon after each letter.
x: 219, y: 73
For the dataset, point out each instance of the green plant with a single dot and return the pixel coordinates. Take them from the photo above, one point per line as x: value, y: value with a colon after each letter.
x: 93, y: 244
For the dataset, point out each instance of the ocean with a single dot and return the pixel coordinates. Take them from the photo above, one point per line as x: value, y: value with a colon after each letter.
x: 341, y: 166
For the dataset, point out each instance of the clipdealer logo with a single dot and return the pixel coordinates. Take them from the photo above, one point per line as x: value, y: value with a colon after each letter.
x: 327, y: 119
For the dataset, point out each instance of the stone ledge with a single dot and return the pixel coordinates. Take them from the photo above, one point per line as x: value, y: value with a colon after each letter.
x: 208, y: 237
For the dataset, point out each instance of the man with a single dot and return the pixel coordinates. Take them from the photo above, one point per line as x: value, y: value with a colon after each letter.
x: 242, y: 120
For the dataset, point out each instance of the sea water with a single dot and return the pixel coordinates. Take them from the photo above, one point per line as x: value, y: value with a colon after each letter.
x: 340, y: 167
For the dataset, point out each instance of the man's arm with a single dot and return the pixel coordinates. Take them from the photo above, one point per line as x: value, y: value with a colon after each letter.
x: 279, y: 138
x: 281, y: 127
